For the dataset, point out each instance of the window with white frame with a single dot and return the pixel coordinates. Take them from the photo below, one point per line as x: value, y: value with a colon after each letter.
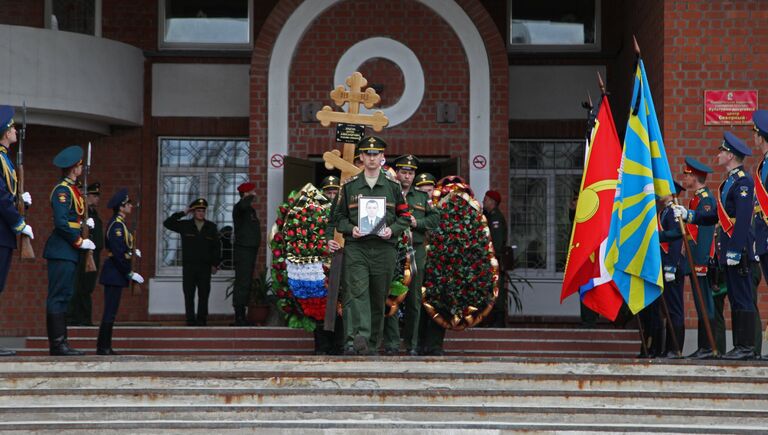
x: 79, y: 16
x: 545, y: 176
x: 205, y: 24
x: 553, y: 25
x: 192, y: 168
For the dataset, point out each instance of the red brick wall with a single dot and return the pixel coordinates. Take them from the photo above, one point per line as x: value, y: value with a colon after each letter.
x: 22, y: 13
x: 711, y: 45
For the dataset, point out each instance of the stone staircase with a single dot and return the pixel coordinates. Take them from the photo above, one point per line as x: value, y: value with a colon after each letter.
x: 354, y: 395
x: 524, y: 342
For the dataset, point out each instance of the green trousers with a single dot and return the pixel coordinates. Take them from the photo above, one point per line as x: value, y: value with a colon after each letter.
x: 245, y: 259
x: 412, y: 305
x: 368, y: 269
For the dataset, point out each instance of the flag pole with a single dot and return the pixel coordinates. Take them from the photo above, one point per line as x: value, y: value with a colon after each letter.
x: 696, y: 288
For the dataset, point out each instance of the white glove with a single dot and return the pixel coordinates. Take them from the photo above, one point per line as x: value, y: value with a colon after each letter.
x: 87, y: 244
x: 680, y: 212
x: 731, y: 262
x: 136, y: 277
x: 137, y: 253
x: 28, y: 231
x: 91, y: 224
x: 669, y: 276
x: 27, y: 198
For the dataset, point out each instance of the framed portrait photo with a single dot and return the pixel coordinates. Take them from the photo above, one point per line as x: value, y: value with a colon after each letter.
x: 371, y: 213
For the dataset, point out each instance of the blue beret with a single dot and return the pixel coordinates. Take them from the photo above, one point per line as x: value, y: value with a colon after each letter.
x: 692, y: 165
x: 68, y: 157
x: 6, y: 117
x: 678, y: 188
x: 371, y: 145
x: 735, y: 145
x: 120, y: 198
x: 760, y: 118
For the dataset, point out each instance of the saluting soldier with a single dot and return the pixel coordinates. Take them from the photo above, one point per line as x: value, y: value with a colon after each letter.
x: 246, y: 249
x: 117, y: 272
x: 498, y: 226
x: 200, y: 257
x: 671, y: 241
x: 760, y: 136
x: 13, y: 223
x: 423, y: 218
x: 425, y: 182
x: 369, y: 260
x: 701, y: 242
x: 735, y: 239
x: 62, y: 250
x: 80, y: 306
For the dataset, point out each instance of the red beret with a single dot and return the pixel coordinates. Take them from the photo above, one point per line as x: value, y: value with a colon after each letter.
x: 246, y: 187
x: 494, y: 195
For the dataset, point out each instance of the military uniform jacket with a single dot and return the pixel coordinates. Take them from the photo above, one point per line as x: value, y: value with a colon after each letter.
x: 197, y: 247
x: 12, y: 222
x: 671, y: 241
x: 422, y: 209
x: 68, y: 206
x: 736, y: 195
x: 247, y: 225
x: 701, y: 235
x: 345, y: 212
x: 498, y: 226
x: 119, y: 244
x: 760, y: 227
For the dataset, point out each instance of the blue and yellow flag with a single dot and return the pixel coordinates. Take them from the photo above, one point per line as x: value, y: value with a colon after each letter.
x: 633, y: 257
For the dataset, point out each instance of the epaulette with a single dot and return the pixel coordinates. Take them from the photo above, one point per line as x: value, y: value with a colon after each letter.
x: 352, y: 178
x: 391, y: 178
x: 741, y: 174
x: 704, y: 195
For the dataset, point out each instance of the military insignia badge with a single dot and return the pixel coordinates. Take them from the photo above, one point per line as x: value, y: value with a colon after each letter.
x: 62, y: 198
x: 118, y: 233
x: 707, y: 207
x: 744, y: 191
x: 495, y: 224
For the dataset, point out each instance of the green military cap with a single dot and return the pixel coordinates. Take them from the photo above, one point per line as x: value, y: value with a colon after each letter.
x: 425, y: 178
x: 199, y: 203
x: 408, y: 161
x: 94, y: 188
x: 331, y: 182
x: 68, y: 157
x: 371, y: 145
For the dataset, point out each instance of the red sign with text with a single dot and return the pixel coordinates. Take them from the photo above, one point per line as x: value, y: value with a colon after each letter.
x: 729, y: 107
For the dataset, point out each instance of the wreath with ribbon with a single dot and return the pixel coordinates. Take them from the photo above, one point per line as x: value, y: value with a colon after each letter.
x: 462, y: 273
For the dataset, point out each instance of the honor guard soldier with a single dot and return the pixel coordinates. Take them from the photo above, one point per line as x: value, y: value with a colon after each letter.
x: 760, y: 136
x: 79, y: 313
x: 246, y: 249
x: 369, y: 259
x: 425, y: 182
x: 200, y: 257
x: 735, y: 239
x: 423, y: 218
x: 331, y: 185
x: 117, y: 272
x: 701, y: 242
x: 12, y: 222
x: 498, y: 226
x: 62, y: 250
x: 671, y: 241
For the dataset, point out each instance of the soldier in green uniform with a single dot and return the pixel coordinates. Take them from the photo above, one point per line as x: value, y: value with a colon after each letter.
x: 425, y: 182
x: 423, y: 217
x: 79, y: 313
x: 498, y: 226
x: 330, y: 342
x: 369, y: 260
x: 246, y: 249
x: 63, y: 247
x: 200, y: 257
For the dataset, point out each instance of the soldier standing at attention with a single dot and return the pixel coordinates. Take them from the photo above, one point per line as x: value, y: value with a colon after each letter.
x: 735, y: 204
x: 62, y: 250
x: 330, y: 342
x: 760, y: 135
x: 498, y: 226
x: 79, y: 313
x: 246, y: 249
x: 117, y: 272
x: 425, y: 182
x: 200, y: 257
x: 423, y: 218
x: 369, y: 261
x: 670, y: 239
x: 12, y: 222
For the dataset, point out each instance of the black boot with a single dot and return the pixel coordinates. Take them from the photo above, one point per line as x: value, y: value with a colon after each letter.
x: 674, y: 345
x: 57, y: 336
x: 240, y: 318
x: 743, y: 336
x: 104, y: 343
x: 7, y: 352
x: 705, y: 349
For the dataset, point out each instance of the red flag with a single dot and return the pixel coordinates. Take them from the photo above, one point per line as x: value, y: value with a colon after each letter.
x: 593, y: 220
